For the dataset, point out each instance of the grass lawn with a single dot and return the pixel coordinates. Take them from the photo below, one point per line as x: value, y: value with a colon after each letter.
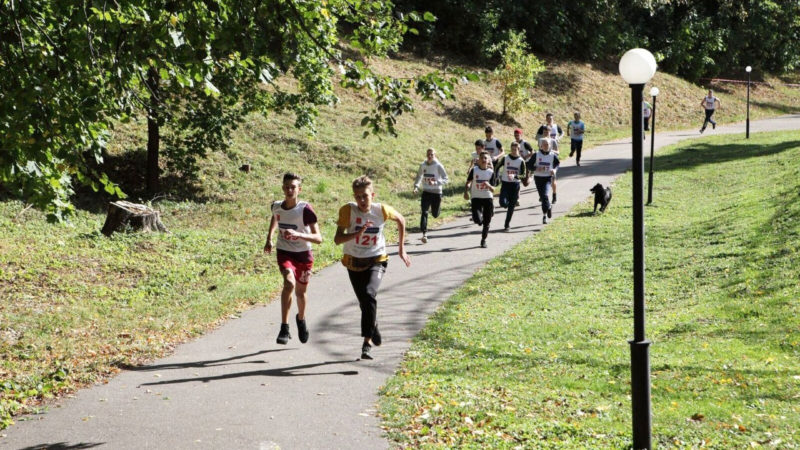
x: 533, y: 352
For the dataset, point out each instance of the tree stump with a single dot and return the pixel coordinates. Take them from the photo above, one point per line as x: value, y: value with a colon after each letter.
x: 126, y: 215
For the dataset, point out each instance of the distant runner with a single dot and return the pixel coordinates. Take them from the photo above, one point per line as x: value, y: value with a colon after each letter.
x: 575, y: 130
x: 479, y: 188
x: 431, y: 176
x: 513, y: 170
x: 710, y: 104
x: 546, y: 165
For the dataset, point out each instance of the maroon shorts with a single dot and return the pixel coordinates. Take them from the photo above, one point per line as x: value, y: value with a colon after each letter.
x: 301, y: 270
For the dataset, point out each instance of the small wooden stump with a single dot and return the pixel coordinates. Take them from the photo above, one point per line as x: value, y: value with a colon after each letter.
x: 122, y: 215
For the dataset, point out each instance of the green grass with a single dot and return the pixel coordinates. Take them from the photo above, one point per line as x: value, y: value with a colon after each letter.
x: 76, y: 306
x: 532, y: 351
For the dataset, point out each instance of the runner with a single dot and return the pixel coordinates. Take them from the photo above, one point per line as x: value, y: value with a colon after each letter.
x: 360, y: 229
x: 513, y: 171
x: 433, y: 176
x: 546, y: 165
x: 479, y: 148
x: 553, y: 131
x: 495, y: 149
x: 575, y: 130
x: 525, y: 150
x: 298, y: 229
x: 710, y: 103
x: 647, y: 111
x: 480, y: 186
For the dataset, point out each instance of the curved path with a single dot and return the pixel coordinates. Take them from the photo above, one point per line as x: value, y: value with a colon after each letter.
x: 235, y: 388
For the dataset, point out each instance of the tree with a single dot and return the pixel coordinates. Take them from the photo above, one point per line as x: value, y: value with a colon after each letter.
x: 516, y: 73
x: 71, y: 70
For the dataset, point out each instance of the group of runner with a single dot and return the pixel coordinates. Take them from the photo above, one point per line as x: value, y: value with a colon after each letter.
x: 360, y: 226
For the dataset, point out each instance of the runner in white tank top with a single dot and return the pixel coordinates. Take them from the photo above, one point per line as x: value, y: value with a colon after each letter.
x: 297, y: 230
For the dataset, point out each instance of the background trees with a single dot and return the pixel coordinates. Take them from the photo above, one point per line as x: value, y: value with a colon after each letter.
x: 71, y: 70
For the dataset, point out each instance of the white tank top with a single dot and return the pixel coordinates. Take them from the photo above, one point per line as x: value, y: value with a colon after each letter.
x: 710, y: 101
x: 481, y: 186
x: 291, y: 219
x: 512, y: 168
x: 372, y: 243
x: 544, y: 162
x: 522, y: 150
x: 490, y: 145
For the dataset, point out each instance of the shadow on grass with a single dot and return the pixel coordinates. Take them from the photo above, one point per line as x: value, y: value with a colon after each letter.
x: 127, y: 170
x: 786, y: 109
x: 476, y: 115
x: 556, y: 83
x: 700, y: 154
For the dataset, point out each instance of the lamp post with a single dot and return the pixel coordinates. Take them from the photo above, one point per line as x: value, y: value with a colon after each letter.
x: 654, y: 94
x: 748, y: 69
x: 637, y: 67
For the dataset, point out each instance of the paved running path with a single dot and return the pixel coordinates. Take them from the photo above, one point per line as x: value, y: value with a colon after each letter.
x: 235, y: 388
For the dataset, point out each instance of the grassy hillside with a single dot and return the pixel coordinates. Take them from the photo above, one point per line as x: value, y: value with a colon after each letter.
x: 540, y: 359
x: 75, y: 305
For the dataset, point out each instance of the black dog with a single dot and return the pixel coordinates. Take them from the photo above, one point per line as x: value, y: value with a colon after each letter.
x: 601, y: 197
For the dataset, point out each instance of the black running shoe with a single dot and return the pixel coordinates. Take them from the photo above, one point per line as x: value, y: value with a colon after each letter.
x: 483, y: 243
x: 554, y: 198
x: 302, y: 330
x: 376, y: 336
x: 713, y: 126
x: 284, y: 335
x: 544, y: 220
x: 365, y: 349
x: 550, y: 213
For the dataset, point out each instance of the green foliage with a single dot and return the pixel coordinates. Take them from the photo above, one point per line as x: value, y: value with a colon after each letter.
x: 516, y: 73
x: 70, y: 71
x: 694, y: 39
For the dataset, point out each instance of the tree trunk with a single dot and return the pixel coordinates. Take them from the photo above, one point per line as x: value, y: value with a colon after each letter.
x: 122, y: 215
x: 152, y: 171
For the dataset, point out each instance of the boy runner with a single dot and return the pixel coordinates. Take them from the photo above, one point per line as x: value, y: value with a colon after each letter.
x: 479, y: 184
x: 494, y: 147
x: 575, y: 130
x: 553, y: 131
x: 514, y: 166
x: 360, y: 229
x: 546, y: 165
x: 298, y: 229
x: 710, y: 103
x: 433, y: 176
x: 479, y: 148
x: 525, y: 149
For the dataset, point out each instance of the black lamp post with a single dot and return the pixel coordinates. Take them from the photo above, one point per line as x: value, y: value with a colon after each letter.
x: 637, y: 67
x: 654, y: 93
x: 748, y: 69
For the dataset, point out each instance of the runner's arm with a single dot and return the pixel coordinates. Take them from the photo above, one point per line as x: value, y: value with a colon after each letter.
x: 315, y: 237
x: 401, y: 236
x: 272, y: 225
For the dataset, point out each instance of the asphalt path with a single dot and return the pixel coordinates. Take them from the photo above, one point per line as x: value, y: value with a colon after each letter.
x: 236, y: 388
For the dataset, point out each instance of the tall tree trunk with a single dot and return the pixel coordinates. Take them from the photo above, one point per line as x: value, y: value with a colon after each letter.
x: 153, y: 136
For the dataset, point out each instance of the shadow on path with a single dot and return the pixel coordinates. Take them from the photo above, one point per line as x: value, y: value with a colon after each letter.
x: 209, y: 363
x: 280, y: 372
x: 63, y: 446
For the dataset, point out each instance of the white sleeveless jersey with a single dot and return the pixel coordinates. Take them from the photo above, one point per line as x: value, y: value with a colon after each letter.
x: 490, y: 145
x: 710, y: 102
x: 544, y: 162
x: 481, y: 186
x: 512, y: 169
x: 372, y: 243
x: 522, y: 150
x: 291, y: 219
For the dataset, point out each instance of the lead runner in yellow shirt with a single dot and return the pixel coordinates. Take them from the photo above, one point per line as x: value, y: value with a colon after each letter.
x: 360, y: 229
